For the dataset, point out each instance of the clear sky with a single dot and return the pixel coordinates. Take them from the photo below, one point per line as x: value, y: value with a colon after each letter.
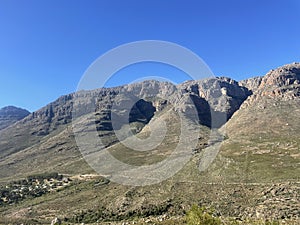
x: 45, y: 46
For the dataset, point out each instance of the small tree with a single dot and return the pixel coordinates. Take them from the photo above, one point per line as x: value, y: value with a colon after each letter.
x: 201, y: 216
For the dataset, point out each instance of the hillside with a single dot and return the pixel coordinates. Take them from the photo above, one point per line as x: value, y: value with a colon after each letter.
x: 251, y: 126
x: 263, y: 135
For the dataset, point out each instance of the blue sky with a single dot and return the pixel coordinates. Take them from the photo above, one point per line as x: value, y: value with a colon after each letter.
x: 45, y: 46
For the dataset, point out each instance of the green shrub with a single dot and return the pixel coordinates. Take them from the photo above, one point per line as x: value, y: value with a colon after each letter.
x: 201, y: 216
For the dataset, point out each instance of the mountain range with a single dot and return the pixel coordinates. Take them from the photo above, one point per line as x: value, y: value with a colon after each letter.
x: 244, y: 172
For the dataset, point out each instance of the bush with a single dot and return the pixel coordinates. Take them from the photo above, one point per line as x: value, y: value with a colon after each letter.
x: 201, y: 216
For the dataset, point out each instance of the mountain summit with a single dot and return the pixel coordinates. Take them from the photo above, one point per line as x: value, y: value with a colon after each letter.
x: 11, y: 114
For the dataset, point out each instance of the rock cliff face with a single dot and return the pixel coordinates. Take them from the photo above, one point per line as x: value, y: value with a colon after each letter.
x: 10, y: 115
x: 283, y: 76
x: 50, y: 117
x: 251, y: 84
x: 215, y: 97
x: 282, y: 83
x: 223, y: 95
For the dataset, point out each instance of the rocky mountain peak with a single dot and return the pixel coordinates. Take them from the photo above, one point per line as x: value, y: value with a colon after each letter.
x: 9, y: 110
x: 251, y: 84
x: 282, y: 83
x: 283, y: 76
x: 11, y: 114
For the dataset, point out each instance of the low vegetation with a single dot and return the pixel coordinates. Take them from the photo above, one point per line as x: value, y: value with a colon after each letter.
x: 201, y: 216
x: 31, y: 187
